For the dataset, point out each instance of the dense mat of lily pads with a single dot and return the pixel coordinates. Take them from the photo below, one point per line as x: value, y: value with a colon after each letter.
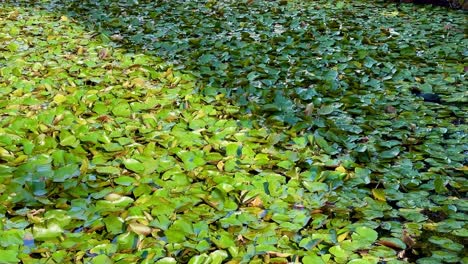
x: 279, y: 56
x: 115, y: 157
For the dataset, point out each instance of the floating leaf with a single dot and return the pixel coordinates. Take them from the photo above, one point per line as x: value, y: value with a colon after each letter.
x: 50, y: 231
x: 9, y: 256
x: 191, y: 159
x: 125, y: 180
x: 365, y: 234
x: 67, y: 139
x: 326, y: 110
x: 108, y: 170
x: 312, y: 260
x: 379, y: 194
x: 446, y: 243
x: 391, y: 153
x: 60, y: 98
x: 66, y: 172
x: 339, y: 252
x: 134, y: 165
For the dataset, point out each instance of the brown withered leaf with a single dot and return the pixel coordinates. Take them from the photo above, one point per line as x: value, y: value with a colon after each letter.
x: 407, y: 239
x: 389, y: 244
x: 103, y: 54
x: 390, y: 109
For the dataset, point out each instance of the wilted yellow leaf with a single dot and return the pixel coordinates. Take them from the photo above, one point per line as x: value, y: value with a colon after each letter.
x: 140, y: 229
x: 340, y: 169
x: 138, y: 82
x: 379, y: 194
x: 342, y: 237
x: 60, y: 98
x: 80, y: 50
x: 220, y: 165
x: 256, y: 202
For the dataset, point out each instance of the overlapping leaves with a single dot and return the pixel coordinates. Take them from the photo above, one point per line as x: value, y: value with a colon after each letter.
x: 122, y: 158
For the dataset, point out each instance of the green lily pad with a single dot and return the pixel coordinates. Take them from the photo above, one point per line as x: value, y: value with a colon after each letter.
x: 446, y: 243
x: 108, y: 170
x: 391, y: 153
x: 134, y: 165
x: 364, y: 235
x: 47, y: 232
x: 8, y: 256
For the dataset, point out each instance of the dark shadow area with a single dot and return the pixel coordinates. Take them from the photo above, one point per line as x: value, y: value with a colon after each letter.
x: 456, y: 4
